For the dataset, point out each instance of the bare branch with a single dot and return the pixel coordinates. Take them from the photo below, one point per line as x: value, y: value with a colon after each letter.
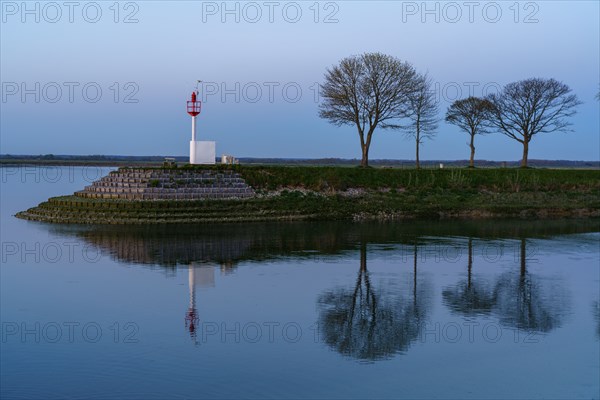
x: 422, y: 113
x: 526, y: 108
x: 473, y: 116
x: 368, y: 91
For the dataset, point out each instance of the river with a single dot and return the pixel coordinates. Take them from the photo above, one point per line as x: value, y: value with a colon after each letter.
x: 451, y: 309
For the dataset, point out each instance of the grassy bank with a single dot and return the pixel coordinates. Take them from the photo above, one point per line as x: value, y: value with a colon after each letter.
x: 324, y: 179
x: 334, y: 193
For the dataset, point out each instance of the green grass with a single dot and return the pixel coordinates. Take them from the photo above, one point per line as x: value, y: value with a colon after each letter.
x: 340, y: 179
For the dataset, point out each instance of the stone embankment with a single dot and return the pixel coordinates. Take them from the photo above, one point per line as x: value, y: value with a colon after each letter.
x: 149, y: 195
x: 167, y: 184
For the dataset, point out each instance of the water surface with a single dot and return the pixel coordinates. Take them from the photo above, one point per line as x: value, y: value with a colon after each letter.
x: 480, y: 309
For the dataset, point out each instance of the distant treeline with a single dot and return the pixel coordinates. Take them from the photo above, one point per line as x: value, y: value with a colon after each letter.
x: 154, y: 160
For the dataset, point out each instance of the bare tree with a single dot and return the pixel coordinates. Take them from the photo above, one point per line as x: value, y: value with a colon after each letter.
x: 368, y: 91
x: 526, y: 108
x: 423, y: 113
x: 472, y: 115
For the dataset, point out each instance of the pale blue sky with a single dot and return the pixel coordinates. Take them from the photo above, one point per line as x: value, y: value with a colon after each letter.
x: 175, y: 43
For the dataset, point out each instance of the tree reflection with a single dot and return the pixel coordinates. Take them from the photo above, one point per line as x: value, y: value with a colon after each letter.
x: 469, y: 297
x: 228, y: 244
x: 596, y: 311
x: 370, y: 324
x: 524, y: 302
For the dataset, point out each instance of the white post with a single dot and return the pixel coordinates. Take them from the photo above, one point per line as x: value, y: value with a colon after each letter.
x: 192, y: 286
x: 193, y: 128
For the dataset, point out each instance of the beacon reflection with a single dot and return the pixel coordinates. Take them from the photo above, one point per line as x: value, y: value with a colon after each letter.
x: 199, y: 276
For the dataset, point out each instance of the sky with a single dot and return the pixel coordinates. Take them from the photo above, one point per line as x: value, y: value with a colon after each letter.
x: 112, y: 78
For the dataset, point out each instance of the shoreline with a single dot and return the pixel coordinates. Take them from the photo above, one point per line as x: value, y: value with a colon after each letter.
x: 157, y: 162
x: 207, y: 195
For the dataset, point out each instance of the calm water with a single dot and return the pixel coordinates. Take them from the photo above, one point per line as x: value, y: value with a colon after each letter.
x: 492, y: 309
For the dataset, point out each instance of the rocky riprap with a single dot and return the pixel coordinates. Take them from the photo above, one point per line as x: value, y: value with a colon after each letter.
x: 168, y: 184
x: 150, y: 195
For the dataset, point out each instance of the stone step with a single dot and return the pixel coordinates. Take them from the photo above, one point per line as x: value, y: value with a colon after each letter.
x: 219, y: 175
x: 140, y: 184
x: 133, y: 186
x: 170, y: 181
x: 61, y: 212
x: 163, y: 196
x: 199, y: 189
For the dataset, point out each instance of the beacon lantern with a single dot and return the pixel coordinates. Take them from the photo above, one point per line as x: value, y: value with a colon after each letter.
x: 201, y: 152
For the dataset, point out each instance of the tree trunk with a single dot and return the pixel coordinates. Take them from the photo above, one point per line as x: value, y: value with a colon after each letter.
x: 523, y: 258
x: 418, y: 139
x: 418, y: 165
x: 525, y: 153
x: 415, y: 278
x: 470, y: 263
x: 472, y: 159
x: 363, y: 256
x: 364, y: 162
x: 365, y: 147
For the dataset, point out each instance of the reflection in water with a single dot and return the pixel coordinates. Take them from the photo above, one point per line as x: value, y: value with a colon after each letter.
x: 469, y: 297
x: 524, y: 301
x: 371, y: 319
x: 371, y: 323
x: 596, y: 311
x: 228, y: 244
x: 191, y: 317
x: 201, y: 276
x: 520, y: 300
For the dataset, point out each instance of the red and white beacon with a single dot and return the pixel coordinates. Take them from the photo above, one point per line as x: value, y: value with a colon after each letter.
x: 201, y: 152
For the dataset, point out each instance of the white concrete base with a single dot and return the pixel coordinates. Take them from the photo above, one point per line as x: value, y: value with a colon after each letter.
x: 202, y: 152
